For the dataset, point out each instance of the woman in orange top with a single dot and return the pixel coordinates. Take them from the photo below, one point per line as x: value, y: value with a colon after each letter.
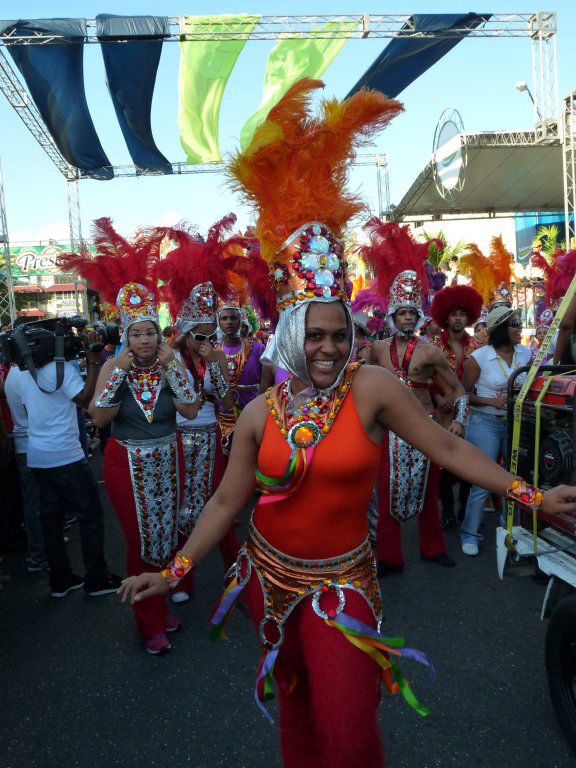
x: 311, y: 446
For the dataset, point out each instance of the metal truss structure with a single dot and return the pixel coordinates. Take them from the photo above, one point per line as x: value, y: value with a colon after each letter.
x: 569, y: 167
x: 367, y: 25
x: 7, y: 301
x: 539, y: 27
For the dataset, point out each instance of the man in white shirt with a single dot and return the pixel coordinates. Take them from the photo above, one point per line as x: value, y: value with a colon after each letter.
x: 35, y: 556
x: 65, y: 479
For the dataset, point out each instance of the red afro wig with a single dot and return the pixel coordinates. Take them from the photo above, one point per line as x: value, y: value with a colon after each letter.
x: 456, y: 297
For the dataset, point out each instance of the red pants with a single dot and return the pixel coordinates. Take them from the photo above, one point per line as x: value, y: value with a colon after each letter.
x: 390, y: 530
x: 229, y: 546
x: 329, y: 720
x: 150, y: 614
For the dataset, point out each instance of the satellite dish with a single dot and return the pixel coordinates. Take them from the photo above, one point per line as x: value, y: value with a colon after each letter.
x: 449, y: 154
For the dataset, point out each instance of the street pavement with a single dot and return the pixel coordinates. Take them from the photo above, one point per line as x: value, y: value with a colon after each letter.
x: 78, y: 691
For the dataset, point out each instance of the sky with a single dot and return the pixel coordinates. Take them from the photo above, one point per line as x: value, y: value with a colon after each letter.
x: 477, y: 77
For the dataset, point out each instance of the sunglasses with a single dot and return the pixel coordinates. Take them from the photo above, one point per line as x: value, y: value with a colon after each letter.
x: 514, y: 323
x: 203, y: 337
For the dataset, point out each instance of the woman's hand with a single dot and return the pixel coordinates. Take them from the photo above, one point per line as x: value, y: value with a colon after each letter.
x: 559, y: 499
x: 136, y: 588
x: 207, y: 351
x: 500, y: 401
x: 165, y: 354
x: 124, y: 359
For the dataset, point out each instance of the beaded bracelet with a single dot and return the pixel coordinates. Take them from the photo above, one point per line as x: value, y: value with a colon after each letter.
x: 177, y: 569
x: 525, y: 494
x: 461, y: 410
x: 181, y: 390
x: 106, y: 398
x: 218, y: 380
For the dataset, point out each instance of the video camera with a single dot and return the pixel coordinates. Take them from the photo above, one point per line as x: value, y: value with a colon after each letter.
x: 61, y: 338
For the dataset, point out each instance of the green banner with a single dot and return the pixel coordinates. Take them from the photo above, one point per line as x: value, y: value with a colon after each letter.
x: 289, y: 61
x: 205, y: 67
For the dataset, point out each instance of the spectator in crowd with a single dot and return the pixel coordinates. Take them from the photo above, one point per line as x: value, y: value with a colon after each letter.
x: 480, y: 333
x: 35, y: 556
x: 65, y: 479
x: 485, y: 378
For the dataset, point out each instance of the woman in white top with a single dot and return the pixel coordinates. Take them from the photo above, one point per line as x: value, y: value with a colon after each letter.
x: 485, y: 377
x: 205, y: 462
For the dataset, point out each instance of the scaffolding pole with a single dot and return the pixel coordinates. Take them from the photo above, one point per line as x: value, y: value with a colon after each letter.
x: 569, y: 166
x: 75, y: 226
x: 7, y: 301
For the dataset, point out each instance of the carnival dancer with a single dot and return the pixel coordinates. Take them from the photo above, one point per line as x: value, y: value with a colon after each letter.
x: 408, y: 483
x: 139, y: 393
x: 453, y: 308
x: 243, y: 361
x: 195, y: 263
x: 307, y: 570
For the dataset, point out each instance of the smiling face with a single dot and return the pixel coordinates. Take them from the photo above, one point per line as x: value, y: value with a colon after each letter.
x: 515, y: 330
x: 143, y: 340
x: 326, y: 342
x: 405, y: 320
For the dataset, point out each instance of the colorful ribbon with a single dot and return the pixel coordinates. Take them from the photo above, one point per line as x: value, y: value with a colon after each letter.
x: 371, y: 642
x: 265, y: 673
x: 277, y: 488
x: 223, y: 610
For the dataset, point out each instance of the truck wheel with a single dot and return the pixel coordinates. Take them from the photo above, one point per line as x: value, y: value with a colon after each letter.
x: 561, y: 665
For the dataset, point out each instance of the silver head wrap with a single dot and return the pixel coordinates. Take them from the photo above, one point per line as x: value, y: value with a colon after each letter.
x: 237, y: 309
x: 136, y: 304
x: 198, y: 308
x: 286, y: 348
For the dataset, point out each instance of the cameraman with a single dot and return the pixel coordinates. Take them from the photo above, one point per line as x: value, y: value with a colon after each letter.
x: 64, y: 477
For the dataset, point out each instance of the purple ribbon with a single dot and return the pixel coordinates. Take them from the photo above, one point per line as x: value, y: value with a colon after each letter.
x: 411, y: 653
x: 226, y: 604
x: 267, y: 665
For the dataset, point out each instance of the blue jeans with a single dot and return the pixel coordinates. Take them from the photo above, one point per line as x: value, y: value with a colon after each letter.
x: 488, y: 433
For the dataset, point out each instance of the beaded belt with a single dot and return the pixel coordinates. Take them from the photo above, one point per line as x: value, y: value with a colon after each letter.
x: 285, y: 581
x: 147, y: 445
x: 186, y: 428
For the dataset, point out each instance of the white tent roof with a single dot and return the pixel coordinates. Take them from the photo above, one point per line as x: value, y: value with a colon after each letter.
x: 505, y: 172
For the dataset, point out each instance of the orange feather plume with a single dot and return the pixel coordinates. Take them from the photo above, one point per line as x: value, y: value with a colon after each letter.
x: 486, y: 272
x: 295, y: 168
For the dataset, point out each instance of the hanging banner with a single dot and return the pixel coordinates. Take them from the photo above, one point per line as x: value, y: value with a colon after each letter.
x: 205, y: 66
x: 289, y: 61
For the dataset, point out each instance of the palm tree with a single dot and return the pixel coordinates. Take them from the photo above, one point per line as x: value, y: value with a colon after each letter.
x: 437, y: 257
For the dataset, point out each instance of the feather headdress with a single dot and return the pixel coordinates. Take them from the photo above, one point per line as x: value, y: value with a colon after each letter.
x: 195, y: 272
x: 294, y: 174
x: 490, y: 275
x: 558, y: 274
x: 398, y: 264
x: 122, y: 271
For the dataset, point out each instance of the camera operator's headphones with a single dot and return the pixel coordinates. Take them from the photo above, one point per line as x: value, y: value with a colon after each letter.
x: 26, y: 353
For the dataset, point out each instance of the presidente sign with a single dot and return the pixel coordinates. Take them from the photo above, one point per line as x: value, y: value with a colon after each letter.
x: 33, y: 260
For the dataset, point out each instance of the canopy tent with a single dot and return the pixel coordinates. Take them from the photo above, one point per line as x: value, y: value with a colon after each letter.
x: 504, y: 172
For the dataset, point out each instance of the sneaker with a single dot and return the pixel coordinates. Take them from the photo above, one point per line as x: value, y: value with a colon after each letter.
x: 470, y: 549
x: 60, y: 587
x: 157, y: 645
x: 173, y: 623
x: 104, y: 585
x: 33, y: 566
x: 180, y: 597
x: 385, y: 569
x: 68, y: 523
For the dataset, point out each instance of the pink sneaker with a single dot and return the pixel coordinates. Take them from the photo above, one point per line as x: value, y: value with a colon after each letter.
x: 157, y: 644
x: 173, y: 624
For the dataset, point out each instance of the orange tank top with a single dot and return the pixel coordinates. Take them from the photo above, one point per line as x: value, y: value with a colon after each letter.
x: 328, y: 515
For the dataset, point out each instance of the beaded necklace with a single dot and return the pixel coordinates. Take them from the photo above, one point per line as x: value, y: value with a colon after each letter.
x: 145, y: 385
x: 236, y: 361
x: 311, y: 421
x: 303, y: 429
